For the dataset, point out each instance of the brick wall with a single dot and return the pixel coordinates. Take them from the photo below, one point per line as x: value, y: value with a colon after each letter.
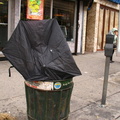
x: 92, y: 24
x: 91, y: 29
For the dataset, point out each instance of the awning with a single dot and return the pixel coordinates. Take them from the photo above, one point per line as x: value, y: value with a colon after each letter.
x: 115, y: 1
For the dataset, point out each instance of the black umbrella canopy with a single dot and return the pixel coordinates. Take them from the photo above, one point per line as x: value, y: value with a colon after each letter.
x: 39, y: 51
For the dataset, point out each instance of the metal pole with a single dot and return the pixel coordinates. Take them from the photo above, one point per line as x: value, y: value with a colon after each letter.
x: 9, y: 18
x: 75, y: 38
x: 51, y: 9
x: 106, y: 73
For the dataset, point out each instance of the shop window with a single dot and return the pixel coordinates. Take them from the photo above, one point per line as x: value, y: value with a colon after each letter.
x: 3, y: 11
x: 3, y: 22
x: 62, y: 10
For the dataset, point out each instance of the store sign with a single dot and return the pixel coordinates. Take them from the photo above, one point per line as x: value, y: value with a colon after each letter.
x: 35, y: 9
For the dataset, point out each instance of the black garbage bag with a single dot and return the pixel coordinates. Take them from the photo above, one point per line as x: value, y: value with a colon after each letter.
x: 39, y: 51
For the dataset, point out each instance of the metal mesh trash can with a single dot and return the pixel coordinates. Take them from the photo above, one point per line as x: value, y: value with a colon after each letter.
x: 52, y: 103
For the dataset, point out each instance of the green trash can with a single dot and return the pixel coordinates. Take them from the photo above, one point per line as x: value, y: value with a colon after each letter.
x: 48, y: 100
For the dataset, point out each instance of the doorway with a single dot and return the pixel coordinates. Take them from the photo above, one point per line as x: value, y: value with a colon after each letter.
x: 108, y: 19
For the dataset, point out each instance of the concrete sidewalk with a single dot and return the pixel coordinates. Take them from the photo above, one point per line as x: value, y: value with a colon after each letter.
x: 87, y: 92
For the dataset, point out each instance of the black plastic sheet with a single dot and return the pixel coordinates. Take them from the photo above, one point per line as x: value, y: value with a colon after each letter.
x: 39, y: 51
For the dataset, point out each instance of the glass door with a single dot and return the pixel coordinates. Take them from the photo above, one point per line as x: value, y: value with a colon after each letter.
x: 3, y: 22
x: 63, y: 11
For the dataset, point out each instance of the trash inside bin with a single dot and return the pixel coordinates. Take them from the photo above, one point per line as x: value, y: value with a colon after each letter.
x: 48, y: 103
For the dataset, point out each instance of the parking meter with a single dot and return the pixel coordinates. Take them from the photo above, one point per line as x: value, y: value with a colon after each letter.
x: 109, y: 45
x: 108, y: 53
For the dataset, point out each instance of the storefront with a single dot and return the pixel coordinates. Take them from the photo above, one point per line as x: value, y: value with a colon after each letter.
x: 69, y: 14
x: 65, y: 13
x: 102, y: 17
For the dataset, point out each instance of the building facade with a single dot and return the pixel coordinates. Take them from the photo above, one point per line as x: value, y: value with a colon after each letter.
x: 102, y: 17
x: 71, y: 16
x: 84, y: 29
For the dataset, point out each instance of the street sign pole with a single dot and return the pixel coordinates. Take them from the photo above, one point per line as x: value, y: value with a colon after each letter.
x: 105, y: 84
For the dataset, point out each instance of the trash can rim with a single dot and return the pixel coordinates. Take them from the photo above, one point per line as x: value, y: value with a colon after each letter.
x: 49, y: 86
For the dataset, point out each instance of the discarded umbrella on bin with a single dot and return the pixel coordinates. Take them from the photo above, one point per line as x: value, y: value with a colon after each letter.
x: 39, y: 51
